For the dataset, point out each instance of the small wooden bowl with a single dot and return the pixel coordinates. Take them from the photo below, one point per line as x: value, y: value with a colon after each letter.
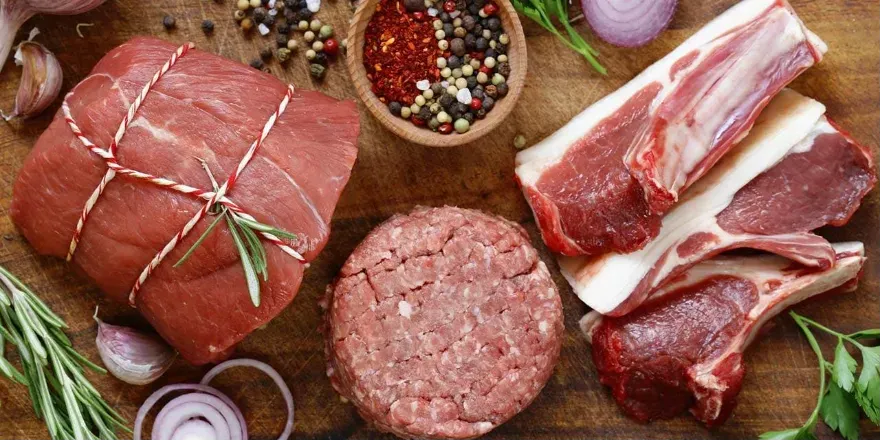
x: 406, y: 129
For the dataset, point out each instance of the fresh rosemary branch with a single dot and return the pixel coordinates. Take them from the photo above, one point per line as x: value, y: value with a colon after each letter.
x: 244, y: 233
x: 51, y: 369
x: 839, y: 401
x: 543, y: 12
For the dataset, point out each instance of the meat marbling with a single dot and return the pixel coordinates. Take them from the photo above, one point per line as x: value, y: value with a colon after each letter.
x: 206, y: 107
x: 794, y: 173
x: 602, y: 181
x: 683, y: 348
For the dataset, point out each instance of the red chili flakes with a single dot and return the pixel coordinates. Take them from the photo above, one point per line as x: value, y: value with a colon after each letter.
x: 395, y: 48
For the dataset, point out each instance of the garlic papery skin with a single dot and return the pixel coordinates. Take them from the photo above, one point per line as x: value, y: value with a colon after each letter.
x: 41, y: 78
x: 13, y: 14
x: 132, y: 356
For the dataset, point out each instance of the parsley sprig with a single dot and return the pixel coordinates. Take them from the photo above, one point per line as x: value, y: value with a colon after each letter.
x: 245, y: 235
x: 840, y: 402
x: 52, y: 370
x: 544, y: 11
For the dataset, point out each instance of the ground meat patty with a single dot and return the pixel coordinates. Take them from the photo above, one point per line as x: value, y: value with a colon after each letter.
x: 443, y: 323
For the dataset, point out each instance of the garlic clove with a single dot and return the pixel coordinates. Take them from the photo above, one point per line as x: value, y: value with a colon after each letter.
x: 40, y: 80
x: 133, y: 356
x: 13, y: 14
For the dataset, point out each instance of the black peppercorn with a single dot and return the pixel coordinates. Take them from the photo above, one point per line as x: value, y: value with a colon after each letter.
x: 461, y: 5
x: 490, y: 53
x: 474, y: 9
x: 414, y: 5
x: 292, y: 4
x: 257, y: 64
x: 445, y: 17
x: 477, y: 93
x: 446, y: 100
x: 449, y: 29
x: 305, y: 14
x: 461, y: 108
x: 169, y: 22
x: 472, y: 83
x: 284, y: 28
x: 424, y: 113
x: 281, y: 40
x: 437, y: 89
x: 493, y: 23
x: 207, y: 26
x: 504, y: 69
x: 259, y: 14
x: 468, y: 22
x: 395, y: 108
x: 478, y: 30
x: 479, y: 3
x: 454, y: 62
x: 470, y: 42
x: 481, y: 113
x: 457, y: 46
x: 266, y: 53
x: 491, y: 91
x: 317, y: 71
x: 502, y: 89
x: 488, y: 104
x: 481, y: 44
x: 320, y: 58
x: 502, y: 49
x: 468, y: 116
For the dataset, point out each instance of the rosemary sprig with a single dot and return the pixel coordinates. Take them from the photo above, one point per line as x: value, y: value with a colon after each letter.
x: 52, y: 369
x: 244, y: 233
x: 543, y: 12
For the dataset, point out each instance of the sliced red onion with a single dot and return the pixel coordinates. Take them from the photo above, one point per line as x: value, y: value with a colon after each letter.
x: 220, y: 413
x: 272, y: 373
x: 628, y: 23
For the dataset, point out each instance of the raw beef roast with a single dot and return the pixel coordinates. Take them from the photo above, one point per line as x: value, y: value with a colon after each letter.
x: 444, y: 323
x: 206, y: 107
x: 683, y: 348
x: 602, y: 182
x: 794, y: 173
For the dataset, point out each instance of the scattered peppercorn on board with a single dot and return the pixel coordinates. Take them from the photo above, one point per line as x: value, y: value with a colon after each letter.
x: 392, y: 176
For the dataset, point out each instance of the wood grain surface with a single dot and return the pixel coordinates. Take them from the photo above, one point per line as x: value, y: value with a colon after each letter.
x: 392, y: 175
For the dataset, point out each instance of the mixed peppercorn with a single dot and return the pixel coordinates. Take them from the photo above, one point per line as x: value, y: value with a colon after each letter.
x: 285, y: 17
x: 438, y: 63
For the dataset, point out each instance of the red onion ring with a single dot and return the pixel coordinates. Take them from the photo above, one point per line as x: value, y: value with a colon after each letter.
x: 200, y: 409
x: 207, y: 414
x: 272, y: 373
x: 628, y: 23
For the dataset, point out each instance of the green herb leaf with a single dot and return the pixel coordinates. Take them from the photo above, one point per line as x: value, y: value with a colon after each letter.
x: 542, y: 11
x: 247, y: 263
x: 841, y: 412
x: 843, y: 367
x: 789, y: 434
x: 201, y: 238
x: 867, y: 389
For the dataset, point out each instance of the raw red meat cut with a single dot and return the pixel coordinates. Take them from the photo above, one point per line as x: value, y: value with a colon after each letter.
x: 602, y: 182
x: 794, y: 173
x: 683, y: 349
x: 207, y: 107
x: 443, y: 323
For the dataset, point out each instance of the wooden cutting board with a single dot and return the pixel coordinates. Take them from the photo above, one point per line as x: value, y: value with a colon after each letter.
x: 392, y: 176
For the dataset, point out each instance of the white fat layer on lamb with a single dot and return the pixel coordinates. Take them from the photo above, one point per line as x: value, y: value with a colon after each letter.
x: 790, y: 124
x: 532, y: 162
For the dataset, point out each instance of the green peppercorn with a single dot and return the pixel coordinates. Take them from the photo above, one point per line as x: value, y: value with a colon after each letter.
x: 415, y: 108
x: 504, y: 39
x: 461, y: 83
x: 317, y: 70
x: 441, y: 63
x: 283, y: 54
x: 467, y: 70
x: 309, y: 36
x: 497, y: 79
x: 303, y: 25
x: 443, y: 117
x: 433, y: 124
x: 519, y: 141
x: 419, y: 100
x: 318, y: 45
x: 438, y: 25
x: 310, y: 54
x: 462, y: 126
x: 502, y: 58
x: 482, y: 78
x: 446, y: 72
x: 243, y: 5
x: 435, y: 108
x: 325, y: 32
x: 293, y: 45
x: 315, y: 25
x: 406, y: 112
x: 428, y: 94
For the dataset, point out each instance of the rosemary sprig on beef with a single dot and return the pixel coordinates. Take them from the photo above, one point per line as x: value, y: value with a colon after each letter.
x: 244, y: 235
x: 51, y: 368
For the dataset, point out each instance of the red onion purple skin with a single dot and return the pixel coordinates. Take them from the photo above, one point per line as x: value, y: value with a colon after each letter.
x: 631, y: 28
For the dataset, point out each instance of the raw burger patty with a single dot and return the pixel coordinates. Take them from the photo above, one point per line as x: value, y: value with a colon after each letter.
x: 443, y: 323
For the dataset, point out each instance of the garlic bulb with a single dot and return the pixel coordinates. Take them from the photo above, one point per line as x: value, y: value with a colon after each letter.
x: 13, y: 14
x: 132, y: 356
x: 40, y: 79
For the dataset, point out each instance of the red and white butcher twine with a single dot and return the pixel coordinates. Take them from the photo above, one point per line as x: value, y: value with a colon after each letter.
x: 211, y: 197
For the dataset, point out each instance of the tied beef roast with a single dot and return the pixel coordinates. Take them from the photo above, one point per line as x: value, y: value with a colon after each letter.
x: 204, y: 107
x: 602, y: 182
x: 683, y: 348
